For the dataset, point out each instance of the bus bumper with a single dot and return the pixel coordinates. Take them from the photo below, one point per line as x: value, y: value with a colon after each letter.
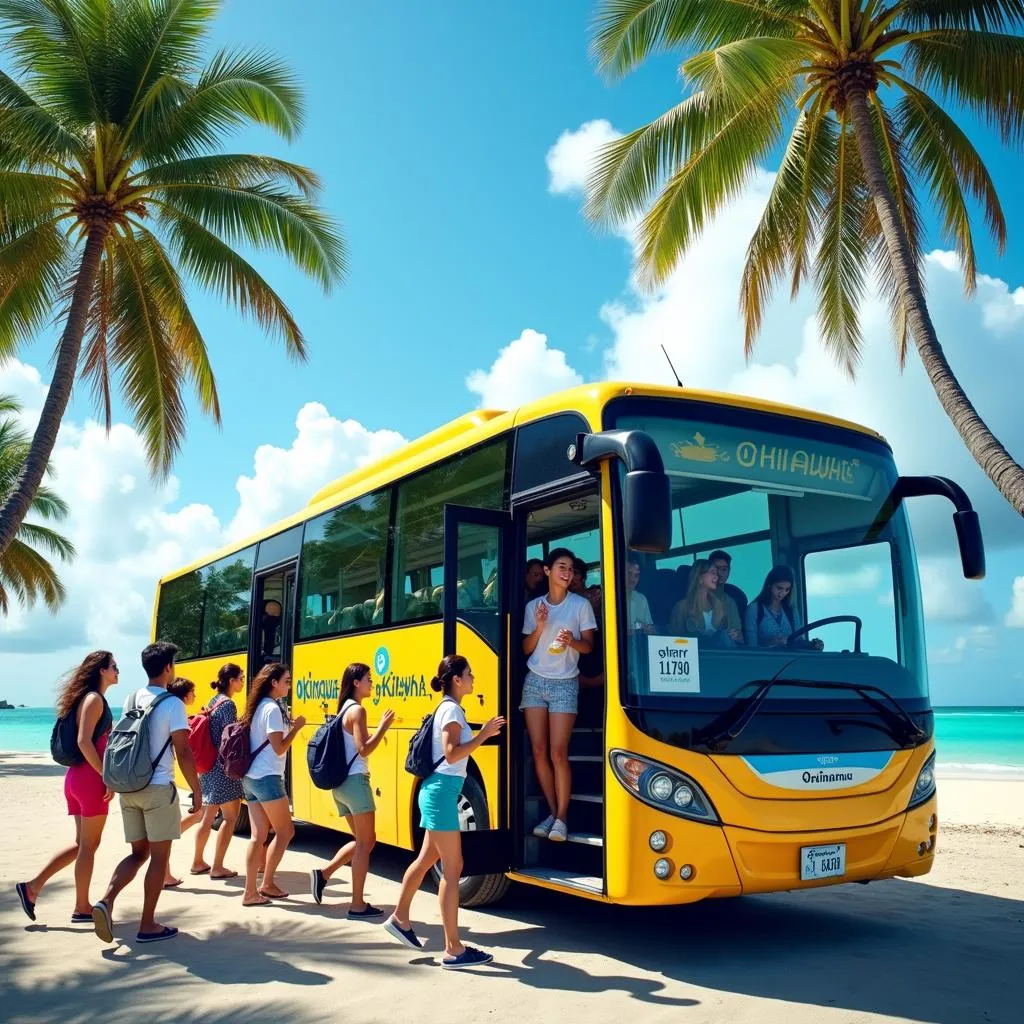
x: 903, y: 845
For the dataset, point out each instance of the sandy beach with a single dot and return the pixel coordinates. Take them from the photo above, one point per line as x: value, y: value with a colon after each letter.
x: 948, y: 948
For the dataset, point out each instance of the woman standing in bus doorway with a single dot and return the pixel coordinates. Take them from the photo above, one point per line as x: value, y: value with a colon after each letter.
x: 263, y: 784
x: 219, y: 792
x: 701, y: 613
x: 354, y: 797
x: 453, y: 743
x: 557, y: 629
x: 83, y: 700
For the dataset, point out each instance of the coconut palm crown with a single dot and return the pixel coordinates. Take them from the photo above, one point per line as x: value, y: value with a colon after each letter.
x: 115, y: 192
x: 859, y: 93
x: 26, y: 572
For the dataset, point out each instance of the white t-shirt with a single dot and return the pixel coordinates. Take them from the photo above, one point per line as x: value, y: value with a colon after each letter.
x: 358, y: 766
x: 574, y: 613
x: 639, y: 610
x: 267, y: 719
x: 449, y: 711
x: 169, y: 716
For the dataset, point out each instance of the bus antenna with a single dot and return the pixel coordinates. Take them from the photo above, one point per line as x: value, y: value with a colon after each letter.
x: 671, y: 367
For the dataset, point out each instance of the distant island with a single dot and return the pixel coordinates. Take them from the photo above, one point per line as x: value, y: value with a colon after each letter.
x: 4, y: 706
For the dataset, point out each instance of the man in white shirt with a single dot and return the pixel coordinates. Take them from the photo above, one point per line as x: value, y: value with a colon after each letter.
x: 152, y: 816
x: 640, y: 620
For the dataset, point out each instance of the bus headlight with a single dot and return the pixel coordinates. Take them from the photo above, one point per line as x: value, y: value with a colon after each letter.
x: 924, y: 788
x: 662, y: 787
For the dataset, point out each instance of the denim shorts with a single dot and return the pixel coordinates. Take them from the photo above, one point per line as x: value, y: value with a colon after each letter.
x: 559, y: 696
x: 264, y: 790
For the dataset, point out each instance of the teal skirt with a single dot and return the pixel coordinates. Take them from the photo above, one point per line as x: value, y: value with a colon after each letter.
x: 439, y: 802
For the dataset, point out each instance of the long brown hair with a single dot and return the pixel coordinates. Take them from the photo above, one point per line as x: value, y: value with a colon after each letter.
x: 351, y: 676
x: 261, y: 686
x: 690, y: 605
x: 82, y: 680
x: 225, y: 674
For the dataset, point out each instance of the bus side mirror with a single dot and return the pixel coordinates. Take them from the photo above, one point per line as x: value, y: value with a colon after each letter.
x: 647, y: 501
x: 965, y: 519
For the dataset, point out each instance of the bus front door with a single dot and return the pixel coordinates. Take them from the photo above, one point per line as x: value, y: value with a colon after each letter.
x: 476, y: 592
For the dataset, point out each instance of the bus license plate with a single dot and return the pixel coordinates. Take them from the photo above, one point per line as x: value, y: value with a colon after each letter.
x: 822, y: 862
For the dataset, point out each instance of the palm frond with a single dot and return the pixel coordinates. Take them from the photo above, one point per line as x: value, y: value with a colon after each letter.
x: 729, y: 142
x: 266, y: 217
x: 982, y: 71
x: 95, y: 363
x: 42, y: 538
x: 30, y: 576
x: 626, y: 32
x: 30, y: 136
x: 842, y: 261
x: 983, y: 15
x: 216, y: 266
x: 737, y: 72
x: 143, y: 352
x: 47, y: 504
x: 235, y: 170
x: 950, y: 166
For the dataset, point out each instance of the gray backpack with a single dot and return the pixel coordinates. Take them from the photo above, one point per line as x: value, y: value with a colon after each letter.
x: 127, y: 766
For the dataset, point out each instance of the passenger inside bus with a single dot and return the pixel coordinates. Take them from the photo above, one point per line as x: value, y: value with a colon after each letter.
x: 579, y: 577
x: 730, y: 596
x: 640, y: 620
x: 771, y: 618
x: 591, y: 668
x: 701, y: 613
x: 270, y: 631
x: 536, y: 584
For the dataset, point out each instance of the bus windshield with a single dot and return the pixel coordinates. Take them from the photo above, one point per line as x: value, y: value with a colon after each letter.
x: 778, y: 524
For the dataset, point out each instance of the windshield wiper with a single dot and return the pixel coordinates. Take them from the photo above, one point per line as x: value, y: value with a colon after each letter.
x: 728, y: 726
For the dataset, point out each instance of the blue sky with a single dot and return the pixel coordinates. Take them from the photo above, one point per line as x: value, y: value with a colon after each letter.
x: 431, y: 125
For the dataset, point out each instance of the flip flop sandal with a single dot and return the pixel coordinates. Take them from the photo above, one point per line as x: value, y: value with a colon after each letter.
x: 282, y: 895
x: 173, y: 884
x: 264, y: 902
x: 229, y: 874
x: 201, y: 871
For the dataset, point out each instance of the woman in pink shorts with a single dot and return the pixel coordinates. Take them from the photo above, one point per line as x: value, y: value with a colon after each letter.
x: 82, y: 699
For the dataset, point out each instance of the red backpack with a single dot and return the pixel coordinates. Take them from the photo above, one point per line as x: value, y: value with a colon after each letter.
x: 204, y: 753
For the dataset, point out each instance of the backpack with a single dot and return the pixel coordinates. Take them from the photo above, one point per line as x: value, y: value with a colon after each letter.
x: 127, y: 766
x: 64, y: 740
x: 325, y: 753
x: 235, y: 754
x: 420, y: 760
x: 204, y: 753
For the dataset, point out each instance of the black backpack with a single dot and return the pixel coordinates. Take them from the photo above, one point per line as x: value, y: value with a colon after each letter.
x: 64, y: 740
x: 420, y: 760
x: 325, y: 754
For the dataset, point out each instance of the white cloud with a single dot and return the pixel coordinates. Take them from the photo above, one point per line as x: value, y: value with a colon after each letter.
x: 569, y: 160
x: 1015, y: 616
x: 526, y: 369
x: 284, y: 479
x: 978, y: 642
x: 839, y: 584
x: 948, y: 597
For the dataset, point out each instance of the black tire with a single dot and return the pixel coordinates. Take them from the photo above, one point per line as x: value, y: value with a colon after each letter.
x: 475, y: 890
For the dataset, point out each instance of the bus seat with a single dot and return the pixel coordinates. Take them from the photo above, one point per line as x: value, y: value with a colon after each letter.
x: 739, y: 597
x: 660, y: 587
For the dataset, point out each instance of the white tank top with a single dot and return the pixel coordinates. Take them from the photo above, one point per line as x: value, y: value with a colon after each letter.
x: 359, y: 766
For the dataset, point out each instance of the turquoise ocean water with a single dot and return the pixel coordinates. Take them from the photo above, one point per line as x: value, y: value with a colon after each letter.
x: 978, y: 742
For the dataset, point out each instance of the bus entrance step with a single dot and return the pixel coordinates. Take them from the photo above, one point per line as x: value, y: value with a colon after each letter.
x: 588, y: 798
x: 588, y: 883
x: 597, y: 758
x: 586, y: 839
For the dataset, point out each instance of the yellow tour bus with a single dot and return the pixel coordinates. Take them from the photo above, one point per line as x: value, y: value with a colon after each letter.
x: 708, y: 760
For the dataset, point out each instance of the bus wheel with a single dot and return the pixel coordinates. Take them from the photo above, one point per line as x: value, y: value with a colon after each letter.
x: 475, y: 890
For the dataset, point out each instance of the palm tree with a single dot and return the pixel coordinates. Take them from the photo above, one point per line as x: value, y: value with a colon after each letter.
x: 25, y: 571
x: 859, y: 87
x: 113, y: 185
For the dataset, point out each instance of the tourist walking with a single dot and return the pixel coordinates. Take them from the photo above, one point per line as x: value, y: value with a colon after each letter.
x: 151, y: 815
x: 354, y: 797
x: 263, y: 784
x: 83, y: 724
x: 220, y: 794
x: 453, y: 743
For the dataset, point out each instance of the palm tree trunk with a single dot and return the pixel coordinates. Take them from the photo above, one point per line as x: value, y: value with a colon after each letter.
x: 988, y: 451
x: 17, y: 505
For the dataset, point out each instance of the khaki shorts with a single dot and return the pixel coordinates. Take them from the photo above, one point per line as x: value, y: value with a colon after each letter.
x: 153, y: 813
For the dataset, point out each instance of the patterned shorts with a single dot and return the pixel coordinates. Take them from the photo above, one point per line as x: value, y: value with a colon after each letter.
x: 559, y: 696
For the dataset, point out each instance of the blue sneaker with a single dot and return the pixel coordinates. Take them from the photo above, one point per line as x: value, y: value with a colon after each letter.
x: 406, y: 936
x: 469, y: 957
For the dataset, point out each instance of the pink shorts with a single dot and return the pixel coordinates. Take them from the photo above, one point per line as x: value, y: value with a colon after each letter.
x: 84, y: 792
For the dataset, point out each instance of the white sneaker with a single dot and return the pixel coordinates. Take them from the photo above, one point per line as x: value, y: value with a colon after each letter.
x: 543, y: 830
x: 559, y: 831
